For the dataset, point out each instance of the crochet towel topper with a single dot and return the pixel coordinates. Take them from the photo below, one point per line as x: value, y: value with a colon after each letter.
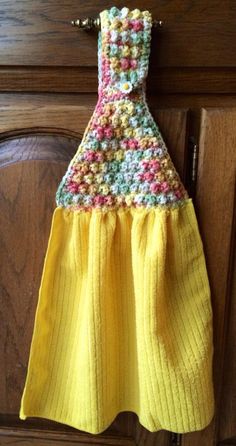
x: 124, y: 318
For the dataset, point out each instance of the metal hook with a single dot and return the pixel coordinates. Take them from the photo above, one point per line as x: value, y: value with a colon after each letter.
x: 90, y: 23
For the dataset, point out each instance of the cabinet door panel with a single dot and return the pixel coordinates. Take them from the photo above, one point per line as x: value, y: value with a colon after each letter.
x: 31, y: 168
x: 35, y: 150
x: 215, y: 205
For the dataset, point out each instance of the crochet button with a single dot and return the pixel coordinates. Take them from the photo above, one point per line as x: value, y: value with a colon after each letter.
x: 126, y: 87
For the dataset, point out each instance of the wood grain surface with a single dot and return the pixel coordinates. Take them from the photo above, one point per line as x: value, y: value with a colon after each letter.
x: 215, y: 207
x: 194, y: 33
x: 184, y: 80
x: 48, y: 91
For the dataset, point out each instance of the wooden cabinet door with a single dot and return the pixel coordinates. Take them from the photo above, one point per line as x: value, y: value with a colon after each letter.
x: 48, y: 86
x: 215, y: 205
x: 38, y: 139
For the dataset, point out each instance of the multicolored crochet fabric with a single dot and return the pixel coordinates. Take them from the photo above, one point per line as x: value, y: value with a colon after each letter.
x: 122, y: 160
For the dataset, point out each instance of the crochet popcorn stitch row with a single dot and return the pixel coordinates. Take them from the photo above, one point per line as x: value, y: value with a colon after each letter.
x: 122, y: 160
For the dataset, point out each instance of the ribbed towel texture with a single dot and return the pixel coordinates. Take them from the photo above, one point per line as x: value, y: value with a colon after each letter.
x: 124, y: 316
x: 123, y: 322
